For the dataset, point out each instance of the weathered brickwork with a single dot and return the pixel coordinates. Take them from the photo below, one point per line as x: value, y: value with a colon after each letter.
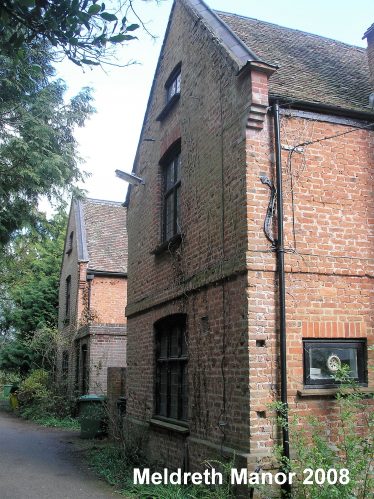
x: 222, y: 274
x: 329, y: 265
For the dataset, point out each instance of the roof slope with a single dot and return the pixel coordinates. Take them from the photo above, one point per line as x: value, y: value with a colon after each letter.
x: 312, y: 68
x: 106, y: 235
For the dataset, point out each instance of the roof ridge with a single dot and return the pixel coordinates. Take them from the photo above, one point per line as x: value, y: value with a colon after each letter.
x: 103, y: 201
x: 291, y: 29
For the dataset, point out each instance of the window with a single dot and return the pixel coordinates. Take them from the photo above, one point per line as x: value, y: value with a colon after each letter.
x: 65, y: 364
x: 70, y: 245
x: 67, y: 297
x: 323, y: 358
x: 171, y: 199
x: 173, y: 84
x: 172, y: 92
x: 171, y: 368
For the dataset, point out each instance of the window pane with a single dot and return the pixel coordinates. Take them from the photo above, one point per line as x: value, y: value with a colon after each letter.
x: 177, y: 167
x: 162, y: 396
x: 174, y: 391
x: 326, y: 361
x: 169, y: 217
x: 169, y: 176
x: 170, y: 92
x: 163, y: 346
x: 183, y: 343
x: 184, y: 391
x: 174, y: 344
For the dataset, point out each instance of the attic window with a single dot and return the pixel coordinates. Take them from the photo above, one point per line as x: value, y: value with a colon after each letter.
x: 173, y: 85
x: 70, y: 245
x: 172, y: 91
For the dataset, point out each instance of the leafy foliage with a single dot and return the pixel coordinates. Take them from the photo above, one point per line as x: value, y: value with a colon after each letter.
x: 16, y: 357
x: 43, y: 401
x: 38, y: 151
x: 345, y: 443
x: 29, y: 275
x: 84, y: 30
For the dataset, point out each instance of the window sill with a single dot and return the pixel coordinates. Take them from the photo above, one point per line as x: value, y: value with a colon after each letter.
x: 331, y: 392
x: 170, y: 244
x: 171, y: 425
x: 169, y: 106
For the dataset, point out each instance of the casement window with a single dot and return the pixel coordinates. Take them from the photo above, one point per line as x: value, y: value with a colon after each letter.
x: 171, y: 368
x: 173, y: 84
x: 172, y: 92
x: 171, y: 196
x: 70, y: 243
x: 67, y: 298
x: 324, y: 358
x: 65, y: 364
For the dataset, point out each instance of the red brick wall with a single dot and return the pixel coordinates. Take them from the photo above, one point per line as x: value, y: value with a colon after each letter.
x: 329, y: 276
x: 108, y: 299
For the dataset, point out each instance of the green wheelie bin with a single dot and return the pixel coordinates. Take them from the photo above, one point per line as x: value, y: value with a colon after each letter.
x: 91, y: 415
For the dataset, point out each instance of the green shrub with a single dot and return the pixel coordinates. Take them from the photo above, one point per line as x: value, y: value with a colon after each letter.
x: 34, y: 387
x: 346, y: 443
x: 9, y: 378
x: 40, y: 399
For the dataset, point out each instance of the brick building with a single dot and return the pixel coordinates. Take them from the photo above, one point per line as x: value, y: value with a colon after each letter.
x: 203, y: 323
x: 92, y: 299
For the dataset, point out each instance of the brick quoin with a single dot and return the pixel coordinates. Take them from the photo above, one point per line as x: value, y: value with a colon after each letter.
x: 222, y: 275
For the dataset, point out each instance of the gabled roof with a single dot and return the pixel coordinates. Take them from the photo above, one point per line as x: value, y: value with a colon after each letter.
x: 311, y: 68
x: 102, y: 235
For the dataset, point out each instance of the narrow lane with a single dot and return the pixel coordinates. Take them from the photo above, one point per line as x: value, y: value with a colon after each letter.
x: 40, y: 463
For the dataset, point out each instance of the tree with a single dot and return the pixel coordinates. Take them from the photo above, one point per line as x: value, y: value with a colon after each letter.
x: 85, y: 30
x: 29, y: 276
x: 38, y: 151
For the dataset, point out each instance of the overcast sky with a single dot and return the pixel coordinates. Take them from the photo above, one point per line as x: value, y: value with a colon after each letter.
x: 110, y: 138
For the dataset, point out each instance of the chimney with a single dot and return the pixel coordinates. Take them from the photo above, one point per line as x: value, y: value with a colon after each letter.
x: 369, y: 35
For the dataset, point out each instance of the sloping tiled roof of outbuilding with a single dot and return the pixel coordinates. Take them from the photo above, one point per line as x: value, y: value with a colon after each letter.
x: 312, y: 69
x: 105, y: 235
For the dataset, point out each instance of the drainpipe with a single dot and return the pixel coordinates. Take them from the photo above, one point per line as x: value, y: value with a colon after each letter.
x: 286, y: 488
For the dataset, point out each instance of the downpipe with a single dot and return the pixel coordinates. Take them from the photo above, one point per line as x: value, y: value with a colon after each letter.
x: 286, y: 487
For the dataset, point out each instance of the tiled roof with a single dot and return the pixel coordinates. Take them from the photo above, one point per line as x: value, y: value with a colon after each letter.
x: 106, y: 235
x: 312, y: 68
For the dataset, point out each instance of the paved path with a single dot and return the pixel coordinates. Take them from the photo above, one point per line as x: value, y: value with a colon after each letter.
x: 44, y: 463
